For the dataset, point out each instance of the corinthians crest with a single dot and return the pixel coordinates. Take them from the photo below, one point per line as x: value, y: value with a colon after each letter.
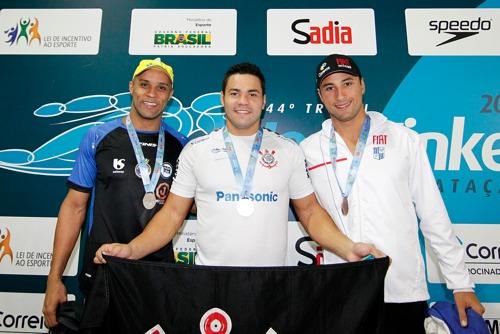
x: 268, y: 159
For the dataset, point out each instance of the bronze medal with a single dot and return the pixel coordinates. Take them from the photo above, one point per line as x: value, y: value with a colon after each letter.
x: 345, y: 206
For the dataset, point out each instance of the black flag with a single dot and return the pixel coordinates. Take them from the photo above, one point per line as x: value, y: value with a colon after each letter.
x: 150, y: 297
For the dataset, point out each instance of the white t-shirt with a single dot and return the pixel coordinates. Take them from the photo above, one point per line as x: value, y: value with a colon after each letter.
x: 224, y: 237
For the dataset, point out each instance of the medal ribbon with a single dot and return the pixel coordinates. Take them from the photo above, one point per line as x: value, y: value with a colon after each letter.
x: 358, y: 153
x: 246, y: 185
x: 149, y: 184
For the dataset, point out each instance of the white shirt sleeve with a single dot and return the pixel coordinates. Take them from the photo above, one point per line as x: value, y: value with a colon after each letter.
x: 184, y: 183
x: 299, y: 184
x: 434, y: 221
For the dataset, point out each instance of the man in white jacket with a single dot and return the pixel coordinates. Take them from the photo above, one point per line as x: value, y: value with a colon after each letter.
x: 374, y: 178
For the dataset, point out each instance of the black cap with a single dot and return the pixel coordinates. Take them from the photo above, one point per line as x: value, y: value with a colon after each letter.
x: 336, y: 63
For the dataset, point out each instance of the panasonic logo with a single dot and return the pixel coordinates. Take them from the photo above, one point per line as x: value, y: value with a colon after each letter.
x: 256, y: 197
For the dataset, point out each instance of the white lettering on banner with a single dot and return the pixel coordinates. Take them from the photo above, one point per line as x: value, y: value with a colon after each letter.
x: 482, y: 253
x: 453, y: 31
x: 477, y: 149
x: 462, y: 148
x: 30, y: 242
x: 50, y: 31
x: 311, y: 32
x: 22, y: 312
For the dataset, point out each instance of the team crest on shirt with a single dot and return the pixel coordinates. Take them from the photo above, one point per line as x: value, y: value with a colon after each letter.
x: 166, y: 170
x: 268, y: 159
x: 379, y: 139
x: 379, y: 152
x: 137, y: 169
x: 162, y: 191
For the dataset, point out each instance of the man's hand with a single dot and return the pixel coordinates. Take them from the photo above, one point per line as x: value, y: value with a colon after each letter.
x: 55, y: 294
x: 360, y: 250
x: 465, y: 300
x: 116, y: 249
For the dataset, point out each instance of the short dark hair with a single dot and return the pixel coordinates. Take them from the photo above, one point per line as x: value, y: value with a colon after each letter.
x: 245, y: 68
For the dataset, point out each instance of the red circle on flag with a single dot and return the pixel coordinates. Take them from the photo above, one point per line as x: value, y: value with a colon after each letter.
x: 215, y: 321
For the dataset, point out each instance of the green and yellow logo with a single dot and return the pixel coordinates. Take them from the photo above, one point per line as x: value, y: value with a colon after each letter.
x: 184, y: 257
x: 183, y: 39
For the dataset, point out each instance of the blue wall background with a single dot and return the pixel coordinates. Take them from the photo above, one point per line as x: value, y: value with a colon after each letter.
x: 432, y: 90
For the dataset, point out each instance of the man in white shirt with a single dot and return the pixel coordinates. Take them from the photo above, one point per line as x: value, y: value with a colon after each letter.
x: 374, y: 178
x: 241, y: 179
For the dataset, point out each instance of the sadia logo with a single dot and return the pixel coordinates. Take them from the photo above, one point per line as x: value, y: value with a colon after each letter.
x: 332, y: 33
x: 302, y: 246
x: 310, y: 32
x: 459, y: 29
x: 5, y: 249
x: 25, y: 31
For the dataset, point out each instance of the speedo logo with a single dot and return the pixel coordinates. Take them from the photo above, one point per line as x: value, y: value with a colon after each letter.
x: 256, y: 197
x: 459, y: 29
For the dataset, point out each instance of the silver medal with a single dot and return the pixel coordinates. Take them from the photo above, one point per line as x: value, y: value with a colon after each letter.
x: 245, y: 207
x: 149, y: 200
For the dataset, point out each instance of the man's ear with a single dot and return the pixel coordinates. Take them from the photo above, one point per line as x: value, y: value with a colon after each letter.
x: 319, y: 95
x: 222, y: 98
